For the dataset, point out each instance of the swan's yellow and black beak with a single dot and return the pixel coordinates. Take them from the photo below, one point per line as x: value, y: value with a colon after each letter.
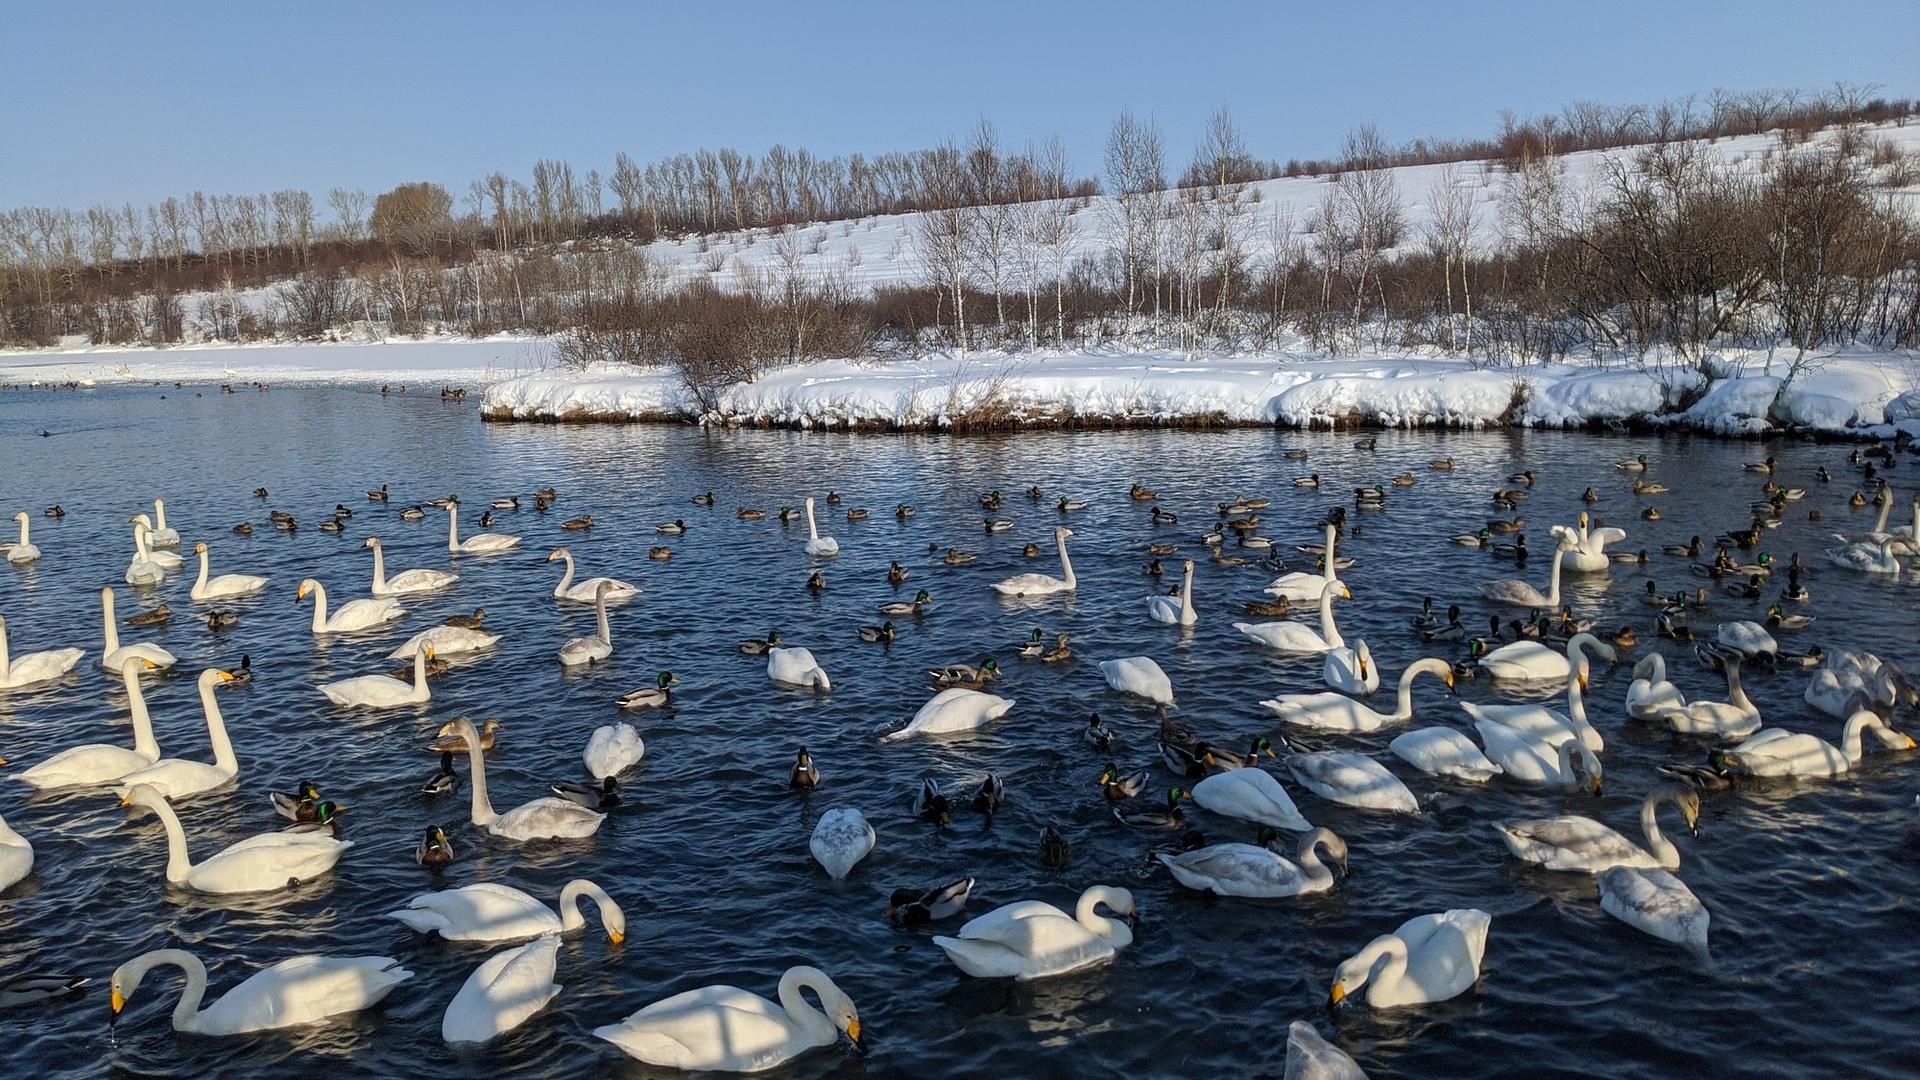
x: 1337, y: 995
x: 119, y: 1001
x: 3, y: 762
x: 853, y: 1032
x: 618, y: 937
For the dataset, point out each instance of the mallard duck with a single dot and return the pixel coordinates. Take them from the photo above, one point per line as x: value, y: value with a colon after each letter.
x: 1168, y: 817
x: 1516, y: 550
x: 878, y: 635
x: 443, y: 782
x: 340, y: 511
x: 1254, y: 543
x: 602, y: 794
x: 676, y: 527
x: 333, y: 525
x: 816, y: 582
x: 19, y: 991
x: 56, y: 511
x: 1507, y: 527
x: 930, y: 803
x: 1524, y: 477
x: 660, y: 554
x: 916, y: 606
x: 584, y: 521
x: 1625, y: 639
x: 1218, y: 759
x: 990, y: 795
x: 1067, y: 505
x: 761, y: 646
x: 1140, y: 493
x: 474, y: 621
x: 486, y: 519
x: 298, y: 806
x: 997, y: 525
x: 1652, y: 513
x: 1309, y: 481
x: 787, y: 515
x: 1480, y: 539
x: 325, y: 819
x: 157, y: 617
x: 245, y: 528
x: 1451, y: 630
x: 221, y: 620
x: 1369, y: 443
x: 1031, y: 551
x: 833, y: 497
x: 703, y: 499
x: 435, y: 850
x: 904, y: 511
x: 804, y: 775
x: 1644, y: 487
x: 1154, y: 569
x: 1403, y: 480
x: 1118, y: 787
x: 1638, y: 463
x: 435, y: 668
x: 991, y: 500
x: 1033, y: 646
x: 858, y: 514
x: 1164, y: 517
x: 449, y: 740
x: 745, y: 514
x: 956, y: 557
x: 657, y: 696
x: 1097, y: 734
x: 1760, y: 466
x: 1441, y: 464
x: 1778, y: 619
x: 1590, y: 495
x: 1059, y: 652
x: 1512, y: 495
x: 1054, y: 850
x: 413, y: 513
x: 1295, y: 455
x: 259, y: 493
x: 1183, y: 757
x: 910, y: 907
x: 1705, y: 778
x: 1271, y: 608
x: 966, y: 675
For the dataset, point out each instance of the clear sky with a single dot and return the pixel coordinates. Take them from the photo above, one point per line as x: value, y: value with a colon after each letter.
x: 136, y: 101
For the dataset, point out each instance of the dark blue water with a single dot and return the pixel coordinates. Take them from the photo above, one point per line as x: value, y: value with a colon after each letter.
x: 1812, y: 887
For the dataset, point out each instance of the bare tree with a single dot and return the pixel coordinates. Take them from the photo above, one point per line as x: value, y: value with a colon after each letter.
x: 1369, y: 203
x: 349, y: 213
x: 1135, y: 168
x: 943, y: 237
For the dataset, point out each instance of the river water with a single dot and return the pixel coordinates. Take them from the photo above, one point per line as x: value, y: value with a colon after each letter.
x: 1811, y: 887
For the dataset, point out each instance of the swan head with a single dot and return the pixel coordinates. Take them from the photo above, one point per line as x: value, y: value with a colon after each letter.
x: 306, y: 588
x: 142, y: 795
x: 198, y: 549
x: 372, y: 542
x: 141, y: 519
x: 1062, y: 532
x: 558, y: 554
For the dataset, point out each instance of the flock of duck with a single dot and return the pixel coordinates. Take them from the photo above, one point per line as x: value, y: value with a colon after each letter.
x: 1426, y: 959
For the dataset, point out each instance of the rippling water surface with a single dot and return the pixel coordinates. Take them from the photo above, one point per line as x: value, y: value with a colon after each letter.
x: 1812, y: 887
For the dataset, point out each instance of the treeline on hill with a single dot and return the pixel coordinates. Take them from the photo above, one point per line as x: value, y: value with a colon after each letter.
x: 1669, y: 247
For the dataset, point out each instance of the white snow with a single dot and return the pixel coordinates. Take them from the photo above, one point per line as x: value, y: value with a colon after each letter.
x: 425, y: 363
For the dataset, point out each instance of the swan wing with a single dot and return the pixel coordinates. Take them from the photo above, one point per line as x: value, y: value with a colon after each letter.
x: 1444, y: 752
x: 1252, y: 795
x: 1310, y: 1057
x: 503, y: 992
x: 714, y: 1027
x: 1236, y: 870
x: 613, y: 749
x: 1571, y: 843
x: 956, y: 709
x: 1284, y: 636
x: 480, y: 912
x: 301, y: 990
x: 446, y: 641
x: 1352, y: 780
x: 548, y: 818
x: 1655, y: 902
x: 175, y: 778
x: 93, y: 763
x: 267, y: 862
x: 840, y: 840
x: 1327, y: 711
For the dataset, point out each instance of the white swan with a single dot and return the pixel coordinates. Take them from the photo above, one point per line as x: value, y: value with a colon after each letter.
x: 823, y: 546
x: 262, y: 863
x: 480, y: 544
x: 1258, y: 870
x: 503, y: 992
x: 1041, y: 584
x: 1440, y: 751
x: 1301, y: 587
x: 1350, y: 670
x: 1294, y: 637
x: 549, y: 818
x: 145, y: 569
x: 1139, y: 676
x: 145, y: 548
x: 33, y: 667
x: 1328, y: 711
x: 1311, y: 1057
x: 23, y: 552
x: 1748, y: 638
x: 361, y: 614
x: 445, y: 641
x: 143, y: 655
x: 406, y: 582
x: 953, y: 710
x: 1847, y: 680
x: 1531, y: 661
x: 1430, y: 958
x: 581, y: 651
x: 16, y: 856
x: 840, y: 839
x: 101, y: 763
x: 1650, y: 694
x: 1537, y: 719
x: 1779, y: 752
x: 1175, y: 610
x: 584, y: 591
x: 383, y: 691
x: 163, y: 537
x: 489, y: 912
x: 179, y: 778
x: 1516, y: 593
x: 1655, y: 902
x: 224, y: 586
x: 1352, y: 779
x: 1572, y: 842
x: 613, y: 749
x: 1586, y: 548
x: 1539, y: 760
x: 296, y: 991
x: 1735, y: 718
x: 1250, y: 794
x: 726, y: 1029
x: 1867, y: 558
x: 1033, y: 940
x: 796, y: 667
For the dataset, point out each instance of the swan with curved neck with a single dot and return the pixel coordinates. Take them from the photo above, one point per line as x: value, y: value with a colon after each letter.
x: 1516, y: 593
x: 1542, y: 759
x: 726, y: 1029
x: 381, y: 692
x: 113, y: 657
x: 296, y: 991
x: 586, y: 650
x: 586, y: 590
x: 545, y: 818
x: 489, y: 912
x: 1043, y: 584
x: 23, y: 552
x: 1166, y: 609
x: 263, y: 863
x: 1650, y: 694
x: 1735, y: 718
x: 406, y: 582
x: 1540, y: 721
x: 1779, y: 752
x: 358, y: 614
x: 1532, y: 661
x: 178, y: 778
x: 824, y: 546
x: 144, y: 569
x: 226, y: 585
x: 101, y: 763
x: 478, y: 544
x: 1430, y: 958
x: 33, y: 667
x: 1329, y: 711
x: 1582, y: 844
x: 1301, y: 586
x: 1032, y: 940
x: 145, y: 548
x: 1283, y: 635
x: 1258, y: 870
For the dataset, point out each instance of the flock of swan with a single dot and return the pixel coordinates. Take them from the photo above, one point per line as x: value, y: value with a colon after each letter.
x: 1426, y: 959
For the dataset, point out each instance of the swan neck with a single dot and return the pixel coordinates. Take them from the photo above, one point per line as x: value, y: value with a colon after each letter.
x: 1853, y: 744
x: 23, y: 530
x: 1328, y: 629
x: 1553, y: 581
x: 420, y: 674
x: 4, y: 662
x: 801, y: 1012
x: 1736, y: 693
x: 570, y: 917
x: 159, y: 514
x: 1186, y: 597
x: 813, y: 531
x: 1382, y: 963
x: 1113, y: 930
x: 106, y: 608
x: 144, y: 742
x: 179, y: 865
x: 379, y: 568
x: 453, y: 528
x: 217, y: 730
x: 1333, y: 537
x: 600, y: 614
x: 186, y: 1012
x: 201, y: 584
x: 1066, y: 564
x: 566, y: 579
x: 483, y: 814
x: 1404, y: 711
x: 1657, y: 844
x: 319, y: 608
x: 1316, y: 871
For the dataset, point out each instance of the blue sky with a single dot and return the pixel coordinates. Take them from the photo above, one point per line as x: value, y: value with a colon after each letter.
x: 135, y: 101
